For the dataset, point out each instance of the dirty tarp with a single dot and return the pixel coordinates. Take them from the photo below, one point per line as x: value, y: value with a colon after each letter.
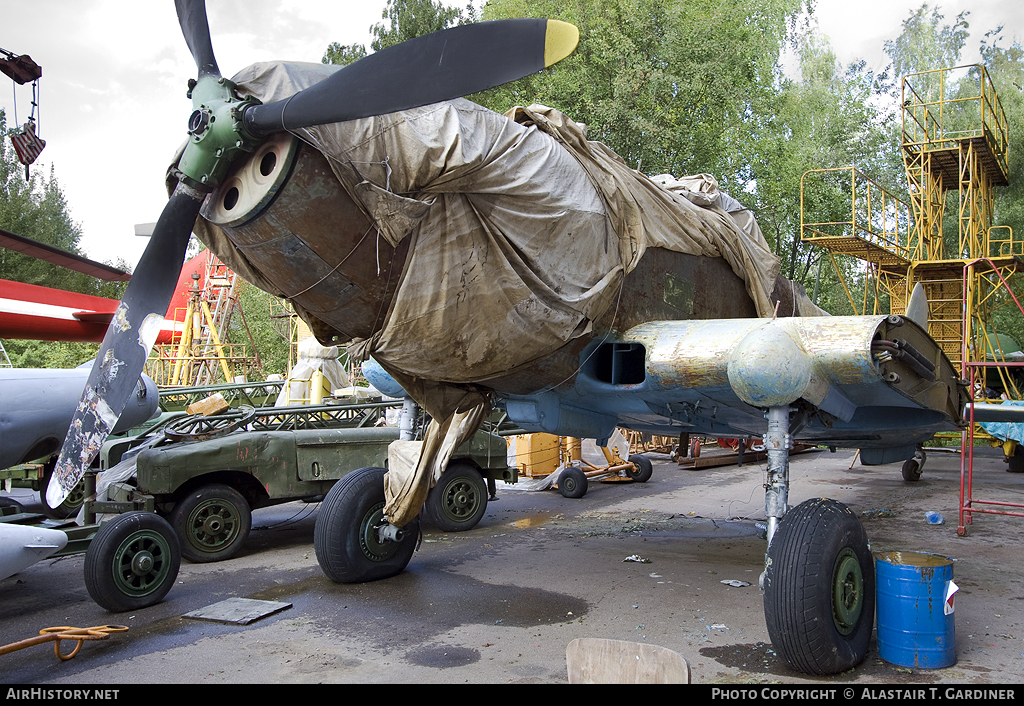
x: 522, y: 233
x: 1006, y: 431
x: 312, y: 357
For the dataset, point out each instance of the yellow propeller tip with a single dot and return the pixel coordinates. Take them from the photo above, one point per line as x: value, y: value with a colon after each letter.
x: 560, y: 39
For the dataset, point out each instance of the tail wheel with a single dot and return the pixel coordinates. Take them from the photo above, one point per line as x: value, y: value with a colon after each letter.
x: 348, y: 546
x: 1015, y: 461
x: 132, y: 562
x: 819, y: 599
x: 911, y: 470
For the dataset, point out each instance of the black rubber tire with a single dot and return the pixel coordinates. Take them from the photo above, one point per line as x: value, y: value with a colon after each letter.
x: 1015, y: 463
x: 572, y: 483
x: 212, y: 523
x: 459, y: 500
x: 643, y: 468
x: 819, y: 588
x: 132, y: 562
x: 912, y: 470
x: 343, y: 537
x: 11, y: 503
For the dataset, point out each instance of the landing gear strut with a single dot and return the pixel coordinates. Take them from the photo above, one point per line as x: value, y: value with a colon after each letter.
x: 819, y: 578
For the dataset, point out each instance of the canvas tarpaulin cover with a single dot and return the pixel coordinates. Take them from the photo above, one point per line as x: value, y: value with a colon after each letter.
x: 522, y: 231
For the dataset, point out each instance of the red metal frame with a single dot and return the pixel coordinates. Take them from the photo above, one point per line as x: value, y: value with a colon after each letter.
x: 967, y: 501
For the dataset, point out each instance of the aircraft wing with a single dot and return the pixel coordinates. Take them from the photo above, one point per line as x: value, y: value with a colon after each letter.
x: 877, y: 383
x: 39, y: 403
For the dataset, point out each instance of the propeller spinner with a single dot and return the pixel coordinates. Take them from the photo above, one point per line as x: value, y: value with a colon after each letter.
x: 428, y: 69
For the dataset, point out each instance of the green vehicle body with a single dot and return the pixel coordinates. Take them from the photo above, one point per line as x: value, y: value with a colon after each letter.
x: 207, y: 483
x: 269, y: 467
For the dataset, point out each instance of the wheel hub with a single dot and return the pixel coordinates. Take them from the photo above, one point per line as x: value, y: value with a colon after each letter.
x: 213, y: 524
x: 373, y: 546
x: 847, y: 591
x: 142, y: 563
x: 460, y: 501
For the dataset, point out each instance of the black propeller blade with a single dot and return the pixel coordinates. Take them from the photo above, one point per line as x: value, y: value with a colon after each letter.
x: 196, y: 28
x: 435, y: 67
x: 127, y: 342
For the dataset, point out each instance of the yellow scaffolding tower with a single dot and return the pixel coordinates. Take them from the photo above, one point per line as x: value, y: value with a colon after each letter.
x: 199, y: 353
x: 955, y: 139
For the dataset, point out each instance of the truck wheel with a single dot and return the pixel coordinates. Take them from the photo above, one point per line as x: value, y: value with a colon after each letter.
x: 212, y: 523
x: 642, y: 468
x: 132, y: 562
x: 572, y: 483
x: 819, y: 598
x: 345, y: 538
x: 459, y: 499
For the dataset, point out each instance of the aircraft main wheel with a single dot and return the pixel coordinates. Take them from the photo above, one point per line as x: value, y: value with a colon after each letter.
x: 572, y: 483
x: 212, y: 523
x: 345, y: 537
x: 132, y: 562
x: 459, y: 499
x: 819, y: 597
x: 642, y: 468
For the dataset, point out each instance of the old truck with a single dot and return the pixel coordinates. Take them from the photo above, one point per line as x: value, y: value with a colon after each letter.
x: 207, y: 475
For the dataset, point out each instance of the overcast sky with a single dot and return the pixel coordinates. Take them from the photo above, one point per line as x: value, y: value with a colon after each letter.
x: 112, y: 97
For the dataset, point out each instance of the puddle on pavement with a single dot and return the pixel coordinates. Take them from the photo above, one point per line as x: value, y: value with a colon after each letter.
x: 532, y: 521
x: 442, y: 656
x: 759, y: 657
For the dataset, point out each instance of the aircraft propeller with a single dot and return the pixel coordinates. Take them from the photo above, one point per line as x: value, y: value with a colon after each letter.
x: 428, y: 69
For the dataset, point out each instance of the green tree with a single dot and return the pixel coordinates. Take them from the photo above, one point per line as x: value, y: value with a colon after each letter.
x: 821, y: 119
x: 405, y: 19
x: 412, y: 18
x: 926, y: 43
x: 662, y: 83
x: 343, y: 54
x: 36, y: 208
x: 1006, y: 68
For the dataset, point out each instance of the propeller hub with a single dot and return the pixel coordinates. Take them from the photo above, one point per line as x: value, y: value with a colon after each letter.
x: 216, y: 133
x: 198, y: 122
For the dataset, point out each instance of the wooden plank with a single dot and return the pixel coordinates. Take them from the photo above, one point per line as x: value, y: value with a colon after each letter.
x: 598, y: 661
x: 239, y: 611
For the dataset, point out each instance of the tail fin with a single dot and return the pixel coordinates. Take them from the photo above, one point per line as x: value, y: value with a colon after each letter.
x: 917, y: 307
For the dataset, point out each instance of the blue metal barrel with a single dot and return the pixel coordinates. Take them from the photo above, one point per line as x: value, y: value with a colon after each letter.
x: 915, y: 620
